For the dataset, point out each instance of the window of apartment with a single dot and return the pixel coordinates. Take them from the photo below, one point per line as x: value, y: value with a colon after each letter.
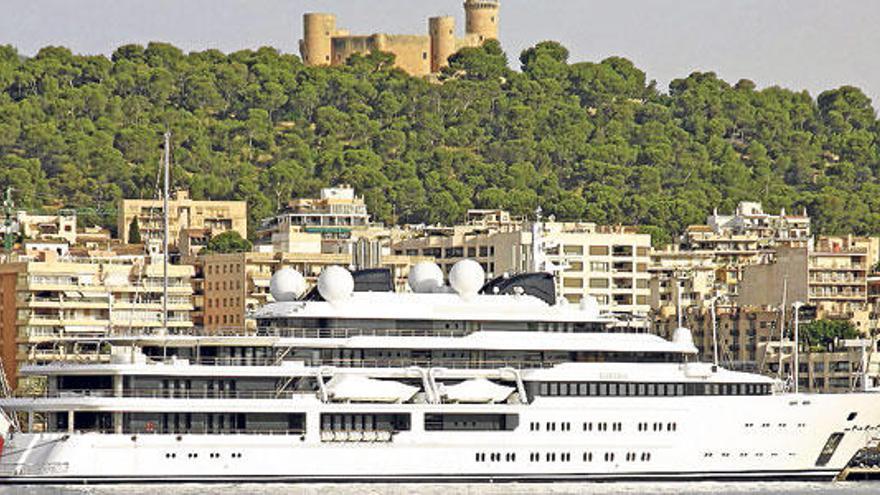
x: 484, y: 250
x: 599, y: 250
x: 641, y: 283
x: 472, y: 252
x: 599, y: 266
x: 642, y: 251
x: 599, y: 283
x: 576, y: 266
x: 573, y: 249
x: 574, y: 283
x: 622, y: 250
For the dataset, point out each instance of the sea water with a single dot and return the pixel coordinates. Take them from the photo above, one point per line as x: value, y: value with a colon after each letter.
x: 704, y: 488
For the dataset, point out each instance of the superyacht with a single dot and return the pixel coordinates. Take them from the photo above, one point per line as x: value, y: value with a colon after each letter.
x: 465, y: 381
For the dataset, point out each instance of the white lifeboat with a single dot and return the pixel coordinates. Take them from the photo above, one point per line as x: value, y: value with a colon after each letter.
x: 354, y: 388
x: 476, y: 391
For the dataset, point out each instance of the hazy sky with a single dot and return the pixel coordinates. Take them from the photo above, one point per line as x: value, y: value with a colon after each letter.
x: 799, y: 44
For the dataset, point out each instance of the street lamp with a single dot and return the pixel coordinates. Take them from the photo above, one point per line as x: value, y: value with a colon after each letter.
x: 796, y: 370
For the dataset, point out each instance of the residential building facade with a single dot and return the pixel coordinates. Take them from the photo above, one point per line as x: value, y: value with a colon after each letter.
x: 48, y: 301
x: 207, y: 218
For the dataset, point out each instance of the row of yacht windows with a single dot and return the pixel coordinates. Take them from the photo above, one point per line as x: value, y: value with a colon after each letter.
x: 613, y: 389
x: 602, y: 426
x: 561, y: 457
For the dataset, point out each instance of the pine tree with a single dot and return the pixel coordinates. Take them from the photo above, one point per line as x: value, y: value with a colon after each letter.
x: 134, y: 232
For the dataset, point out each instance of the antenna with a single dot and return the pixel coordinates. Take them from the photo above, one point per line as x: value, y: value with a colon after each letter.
x: 165, y: 234
x: 782, y: 326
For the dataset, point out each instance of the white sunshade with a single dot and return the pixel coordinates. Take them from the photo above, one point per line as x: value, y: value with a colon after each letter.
x: 478, y: 390
x: 361, y: 389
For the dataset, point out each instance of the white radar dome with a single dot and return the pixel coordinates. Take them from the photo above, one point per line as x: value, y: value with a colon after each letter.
x: 590, y: 306
x: 467, y: 278
x: 425, y: 277
x: 335, y: 284
x: 287, y: 285
x: 682, y: 336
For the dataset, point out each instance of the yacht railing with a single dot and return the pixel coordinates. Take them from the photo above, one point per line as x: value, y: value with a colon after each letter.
x: 372, y: 362
x: 165, y: 394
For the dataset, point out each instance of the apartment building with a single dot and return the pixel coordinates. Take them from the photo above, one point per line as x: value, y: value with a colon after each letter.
x: 230, y: 286
x: 608, y: 263
x: 750, y: 220
x: 683, y: 277
x: 333, y: 217
x: 187, y: 218
x: 47, y: 300
x: 59, y: 226
x: 832, y: 276
x: 743, y: 333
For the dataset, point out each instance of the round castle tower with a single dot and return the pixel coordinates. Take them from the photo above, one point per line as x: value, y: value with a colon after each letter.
x: 442, y: 32
x: 481, y: 18
x: 318, y: 31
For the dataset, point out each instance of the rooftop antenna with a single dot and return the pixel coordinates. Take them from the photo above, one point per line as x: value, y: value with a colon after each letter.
x: 165, y: 234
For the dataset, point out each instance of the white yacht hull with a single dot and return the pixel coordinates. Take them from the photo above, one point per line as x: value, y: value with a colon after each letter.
x: 699, y: 438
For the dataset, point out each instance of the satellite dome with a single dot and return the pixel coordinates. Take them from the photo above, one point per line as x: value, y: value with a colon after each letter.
x: 425, y: 277
x: 590, y: 306
x: 335, y: 284
x: 287, y: 285
x: 682, y: 336
x: 467, y: 278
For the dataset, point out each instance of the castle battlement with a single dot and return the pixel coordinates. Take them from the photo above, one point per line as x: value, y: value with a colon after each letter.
x: 324, y: 43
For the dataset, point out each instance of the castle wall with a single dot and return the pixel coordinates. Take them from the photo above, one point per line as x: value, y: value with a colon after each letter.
x: 419, y: 55
x: 411, y: 52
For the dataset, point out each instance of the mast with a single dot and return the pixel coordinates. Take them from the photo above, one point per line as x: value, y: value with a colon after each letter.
x: 782, y: 324
x: 165, y: 234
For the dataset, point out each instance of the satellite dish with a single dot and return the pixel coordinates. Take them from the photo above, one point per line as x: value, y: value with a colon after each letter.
x: 335, y: 284
x: 287, y: 285
x: 425, y: 277
x: 467, y: 278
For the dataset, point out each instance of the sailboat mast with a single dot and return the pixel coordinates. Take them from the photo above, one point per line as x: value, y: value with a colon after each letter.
x: 165, y: 234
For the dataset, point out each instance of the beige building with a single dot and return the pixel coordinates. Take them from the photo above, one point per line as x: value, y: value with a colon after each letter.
x: 750, y: 220
x: 748, y: 340
x: 743, y: 333
x: 56, y: 227
x: 682, y: 277
x: 324, y: 43
x: 47, y: 301
x: 832, y: 276
x: 184, y: 215
x: 608, y: 263
x: 315, y: 225
x: 230, y: 286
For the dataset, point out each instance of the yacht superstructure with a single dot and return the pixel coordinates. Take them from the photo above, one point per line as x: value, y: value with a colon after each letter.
x: 469, y: 382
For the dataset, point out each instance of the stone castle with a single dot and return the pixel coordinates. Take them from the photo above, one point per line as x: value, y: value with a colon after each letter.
x: 420, y: 55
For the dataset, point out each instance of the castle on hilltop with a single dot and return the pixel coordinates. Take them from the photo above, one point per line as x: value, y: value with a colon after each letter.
x: 419, y: 55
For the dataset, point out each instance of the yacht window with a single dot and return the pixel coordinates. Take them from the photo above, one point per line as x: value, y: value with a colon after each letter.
x: 554, y: 389
x: 603, y: 389
x: 582, y: 389
x: 594, y: 388
x: 651, y: 389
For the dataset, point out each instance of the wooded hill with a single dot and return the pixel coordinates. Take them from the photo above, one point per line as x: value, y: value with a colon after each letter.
x: 591, y: 141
